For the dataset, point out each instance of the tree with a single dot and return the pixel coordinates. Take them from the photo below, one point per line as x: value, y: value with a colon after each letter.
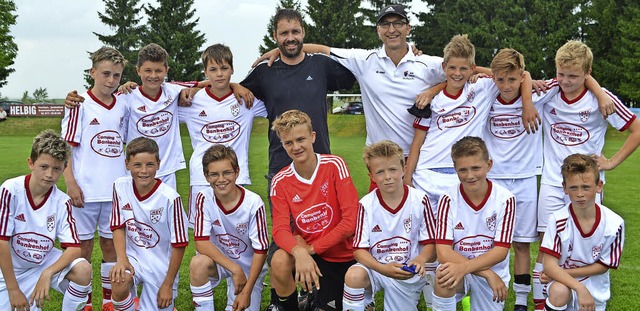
x: 338, y: 23
x: 40, y: 95
x: 26, y: 99
x: 268, y: 43
x: 8, y: 48
x: 630, y: 46
x: 122, y: 16
x: 171, y: 25
x: 370, y: 38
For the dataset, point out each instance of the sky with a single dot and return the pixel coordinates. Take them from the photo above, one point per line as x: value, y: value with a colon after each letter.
x: 54, y: 38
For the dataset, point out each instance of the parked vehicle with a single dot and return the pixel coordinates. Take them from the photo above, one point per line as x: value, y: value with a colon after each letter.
x: 6, y: 103
x: 349, y: 108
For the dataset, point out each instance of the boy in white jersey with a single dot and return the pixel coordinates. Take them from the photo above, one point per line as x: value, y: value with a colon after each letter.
x: 216, y: 117
x: 474, y: 233
x: 149, y: 232
x: 573, y: 125
x: 96, y: 132
x: 395, y: 232
x: 582, y: 242
x: 33, y: 214
x: 230, y: 235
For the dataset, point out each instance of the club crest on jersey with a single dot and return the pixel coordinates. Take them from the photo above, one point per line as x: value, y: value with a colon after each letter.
x: 168, y: 101
x: 51, y: 222
x: 471, y: 96
x: 324, y: 188
x: 584, y: 115
x: 407, y: 224
x: 155, y: 215
x: 595, y: 251
x: 235, y: 109
x: 491, y: 222
x: 409, y: 75
x: 242, y: 228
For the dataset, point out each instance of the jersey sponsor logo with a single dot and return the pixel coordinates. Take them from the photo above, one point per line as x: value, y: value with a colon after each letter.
x: 506, y: 126
x: 202, y: 114
x: 584, y: 115
x: 142, y: 108
x: 457, y: 117
x: 231, y: 245
x: 141, y: 234
x: 409, y: 75
x: 459, y: 226
x: 569, y: 134
x: 31, y: 246
x: 376, y: 229
x: 296, y: 199
x: 474, y: 246
x: 155, y: 215
x: 407, y: 223
x: 21, y: 218
x: 235, y: 109
x: 94, y: 122
x: 155, y: 125
x: 309, y: 78
x: 595, y: 251
x: 217, y: 223
x: 491, y: 222
x: 324, y: 189
x: 107, y: 144
x: 51, y: 222
x: 127, y: 207
x: 395, y: 249
x: 242, y: 228
x: 220, y: 131
x: 315, y: 219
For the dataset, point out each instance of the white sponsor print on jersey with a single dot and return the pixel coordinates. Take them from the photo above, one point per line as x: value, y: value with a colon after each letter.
x: 155, y: 125
x: 31, y: 247
x: 141, y: 234
x: 296, y: 199
x: 315, y: 219
x: 309, y: 78
x: 233, y: 246
x: 107, y: 143
x: 568, y: 134
x: 395, y: 249
x: 51, y: 222
x: 324, y: 187
x: 155, y: 215
x: 220, y: 131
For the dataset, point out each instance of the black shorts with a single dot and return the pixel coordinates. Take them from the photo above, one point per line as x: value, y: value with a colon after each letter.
x: 329, y: 296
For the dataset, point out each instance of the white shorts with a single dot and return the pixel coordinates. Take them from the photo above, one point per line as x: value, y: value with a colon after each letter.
x: 398, y: 294
x: 150, y: 286
x: 170, y: 180
x: 191, y: 212
x: 256, y: 294
x: 28, y: 279
x: 92, y: 215
x: 573, y: 302
x: 526, y: 192
x: 434, y: 184
x: 552, y: 199
x: 481, y: 294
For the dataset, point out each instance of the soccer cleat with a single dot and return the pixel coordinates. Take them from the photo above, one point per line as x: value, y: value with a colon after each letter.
x: 272, y: 307
x: 306, y: 299
x: 519, y: 308
x: 108, y: 307
x: 370, y: 307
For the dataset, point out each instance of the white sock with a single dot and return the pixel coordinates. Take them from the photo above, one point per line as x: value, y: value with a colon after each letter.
x: 353, y: 298
x: 202, y: 296
x: 538, y: 297
x: 75, y: 297
x: 125, y: 305
x: 443, y: 304
x: 522, y: 293
x: 427, y: 290
x: 105, y: 268
x: 554, y: 308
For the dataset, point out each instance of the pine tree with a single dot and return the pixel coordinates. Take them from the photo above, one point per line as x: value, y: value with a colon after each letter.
x: 337, y: 23
x: 172, y: 26
x: 268, y: 43
x: 630, y: 44
x: 8, y: 48
x: 122, y: 16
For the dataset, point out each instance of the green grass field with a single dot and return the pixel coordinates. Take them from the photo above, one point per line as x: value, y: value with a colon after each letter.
x: 347, y: 140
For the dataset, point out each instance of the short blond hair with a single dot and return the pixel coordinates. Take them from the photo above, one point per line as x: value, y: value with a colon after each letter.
x: 574, y: 53
x: 507, y: 60
x: 460, y: 46
x: 290, y: 119
x: 49, y: 142
x: 382, y: 149
x: 107, y: 54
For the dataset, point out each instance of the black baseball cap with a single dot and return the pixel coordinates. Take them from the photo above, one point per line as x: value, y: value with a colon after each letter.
x: 397, y: 9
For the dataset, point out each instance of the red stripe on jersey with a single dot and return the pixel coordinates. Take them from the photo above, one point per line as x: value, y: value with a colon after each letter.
x: 621, y: 109
x: 550, y: 252
x: 557, y: 243
x: 189, y: 202
x: 115, y: 210
x: 428, y: 218
x: 198, y: 225
x: 359, y: 223
x: 261, y: 222
x: 443, y: 214
x: 416, y: 124
x: 72, y: 222
x: 616, y: 249
x: 178, y: 222
x: 507, y: 222
x: 72, y: 124
x: 5, y: 209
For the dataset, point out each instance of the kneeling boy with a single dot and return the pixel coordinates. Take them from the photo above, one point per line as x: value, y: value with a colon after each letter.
x: 395, y: 234
x: 34, y: 212
x: 474, y: 233
x: 149, y: 232
x: 230, y: 235
x: 581, y: 243
x: 317, y: 191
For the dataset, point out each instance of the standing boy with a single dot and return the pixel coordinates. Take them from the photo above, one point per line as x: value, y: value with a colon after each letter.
x: 216, y: 117
x: 582, y: 242
x: 33, y: 214
x: 573, y: 125
x: 230, y: 234
x: 474, y: 233
x: 96, y: 132
x: 149, y: 232
x: 395, y: 232
x: 316, y: 190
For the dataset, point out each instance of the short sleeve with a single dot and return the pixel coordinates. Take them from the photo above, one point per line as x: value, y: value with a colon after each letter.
x: 202, y: 220
x: 444, y: 221
x: 504, y: 227
x: 67, y: 232
x: 428, y: 226
x: 552, y: 242
x: 71, y: 128
x: 258, y: 230
x: 610, y: 255
x: 7, y: 203
x: 117, y: 217
x: 361, y: 239
x: 178, y: 224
